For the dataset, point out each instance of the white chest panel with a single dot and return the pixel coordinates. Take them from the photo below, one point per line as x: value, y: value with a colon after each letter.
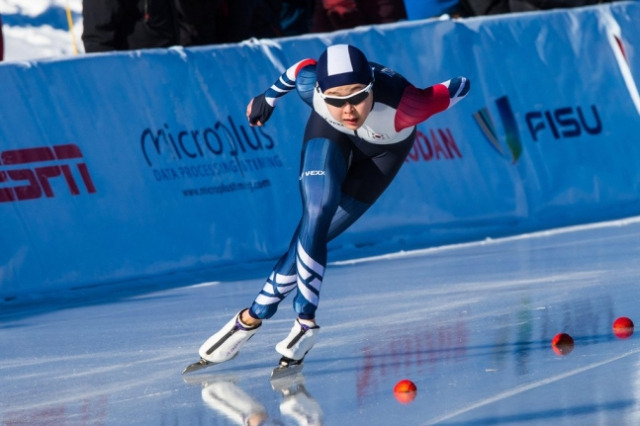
x: 378, y: 128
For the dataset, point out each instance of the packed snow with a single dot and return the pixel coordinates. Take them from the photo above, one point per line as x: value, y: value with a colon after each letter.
x: 40, y: 29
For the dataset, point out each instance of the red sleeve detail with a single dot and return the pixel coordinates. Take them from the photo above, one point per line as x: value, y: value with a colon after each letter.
x: 304, y: 63
x: 416, y: 105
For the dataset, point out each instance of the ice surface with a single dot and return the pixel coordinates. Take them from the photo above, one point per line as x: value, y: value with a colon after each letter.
x: 470, y: 324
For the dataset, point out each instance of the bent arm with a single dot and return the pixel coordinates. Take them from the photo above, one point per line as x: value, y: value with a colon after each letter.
x: 416, y: 105
x: 286, y: 82
x: 260, y: 108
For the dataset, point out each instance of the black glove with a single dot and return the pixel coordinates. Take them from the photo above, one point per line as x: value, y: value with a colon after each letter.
x: 260, y: 110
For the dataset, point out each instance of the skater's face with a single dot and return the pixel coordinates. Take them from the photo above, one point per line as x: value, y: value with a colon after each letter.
x: 350, y: 104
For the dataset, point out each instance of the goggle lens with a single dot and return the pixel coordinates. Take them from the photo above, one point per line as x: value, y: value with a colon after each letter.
x: 354, y: 99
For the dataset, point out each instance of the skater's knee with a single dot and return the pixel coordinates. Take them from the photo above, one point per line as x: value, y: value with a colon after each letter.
x: 319, y: 212
x: 321, y: 200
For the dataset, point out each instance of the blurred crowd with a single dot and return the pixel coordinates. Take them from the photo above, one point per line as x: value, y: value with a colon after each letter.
x: 135, y: 24
x: 127, y: 24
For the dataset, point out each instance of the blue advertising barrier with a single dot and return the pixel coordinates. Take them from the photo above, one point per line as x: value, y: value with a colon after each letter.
x: 128, y: 165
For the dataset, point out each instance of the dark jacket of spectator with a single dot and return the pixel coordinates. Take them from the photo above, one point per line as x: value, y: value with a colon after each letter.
x: 295, y: 17
x: 128, y: 24
x: 137, y: 24
x: 241, y: 20
x: 331, y: 15
x: 494, y: 7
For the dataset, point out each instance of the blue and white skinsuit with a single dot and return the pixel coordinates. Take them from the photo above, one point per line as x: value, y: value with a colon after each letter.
x: 342, y: 171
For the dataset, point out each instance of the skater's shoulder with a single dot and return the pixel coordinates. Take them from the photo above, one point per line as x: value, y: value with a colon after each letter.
x: 306, y: 82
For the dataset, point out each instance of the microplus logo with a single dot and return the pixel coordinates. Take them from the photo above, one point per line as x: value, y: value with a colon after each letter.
x: 560, y: 123
x: 220, y: 149
x: 26, y: 174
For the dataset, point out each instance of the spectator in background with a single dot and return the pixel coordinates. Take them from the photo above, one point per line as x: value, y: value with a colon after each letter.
x: 424, y: 9
x: 124, y: 24
x: 483, y: 7
x: 138, y: 24
x: 331, y: 15
x: 493, y: 7
x: 530, y: 5
x: 195, y: 21
x: 241, y: 20
x: 295, y: 17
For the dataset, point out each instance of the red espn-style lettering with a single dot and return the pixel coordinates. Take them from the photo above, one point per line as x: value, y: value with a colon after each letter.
x: 37, y: 177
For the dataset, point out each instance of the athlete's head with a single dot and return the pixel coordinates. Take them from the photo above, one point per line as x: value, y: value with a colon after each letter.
x: 342, y: 64
x: 344, y: 82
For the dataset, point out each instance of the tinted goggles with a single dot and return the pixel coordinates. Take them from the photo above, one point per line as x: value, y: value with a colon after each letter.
x: 353, y: 99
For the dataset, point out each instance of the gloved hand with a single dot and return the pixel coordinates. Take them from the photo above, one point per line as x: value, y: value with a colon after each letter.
x: 259, y: 111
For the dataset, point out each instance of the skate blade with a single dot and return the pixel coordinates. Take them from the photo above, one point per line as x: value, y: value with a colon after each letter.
x: 196, y: 366
x: 281, y: 380
x: 285, y: 372
x: 203, y: 363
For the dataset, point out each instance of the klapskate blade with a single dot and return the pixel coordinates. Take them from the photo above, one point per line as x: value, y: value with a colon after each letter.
x: 197, y: 366
x: 280, y: 372
x: 203, y: 363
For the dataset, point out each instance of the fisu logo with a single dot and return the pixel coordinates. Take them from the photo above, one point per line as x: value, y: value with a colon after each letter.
x: 543, y: 125
x: 488, y: 127
x: 566, y: 122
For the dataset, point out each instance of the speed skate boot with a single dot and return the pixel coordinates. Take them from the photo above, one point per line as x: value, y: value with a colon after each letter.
x: 225, y: 344
x: 300, y: 340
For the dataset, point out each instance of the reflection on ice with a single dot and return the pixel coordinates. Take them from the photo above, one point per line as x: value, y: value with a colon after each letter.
x: 470, y: 325
x: 225, y: 396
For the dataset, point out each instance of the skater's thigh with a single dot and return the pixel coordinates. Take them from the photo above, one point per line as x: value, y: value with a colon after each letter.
x: 369, y: 176
x: 325, y: 154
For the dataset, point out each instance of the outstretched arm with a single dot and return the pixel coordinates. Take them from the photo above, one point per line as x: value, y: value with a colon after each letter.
x: 260, y: 108
x: 416, y: 105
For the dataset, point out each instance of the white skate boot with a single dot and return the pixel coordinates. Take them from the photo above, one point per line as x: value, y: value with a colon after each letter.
x: 225, y: 344
x: 299, y: 341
